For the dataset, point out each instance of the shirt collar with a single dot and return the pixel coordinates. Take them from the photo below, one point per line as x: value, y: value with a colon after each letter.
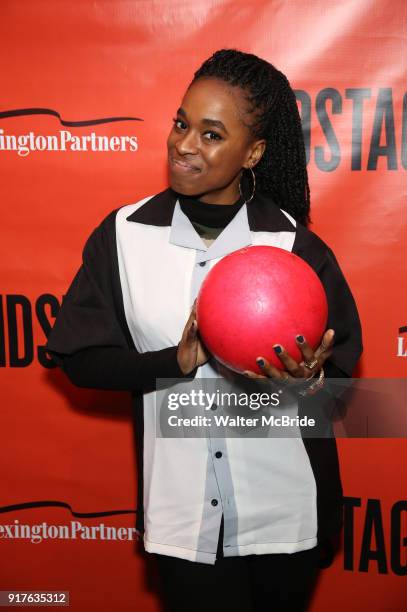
x: 236, y: 235
x: 263, y: 215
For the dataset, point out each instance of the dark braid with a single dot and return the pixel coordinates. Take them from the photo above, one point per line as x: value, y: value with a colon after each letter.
x: 282, y: 170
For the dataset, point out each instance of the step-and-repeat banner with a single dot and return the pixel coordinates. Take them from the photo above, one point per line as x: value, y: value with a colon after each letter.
x: 88, y: 92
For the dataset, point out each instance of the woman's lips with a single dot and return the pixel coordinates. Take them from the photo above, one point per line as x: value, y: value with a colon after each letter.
x: 178, y: 165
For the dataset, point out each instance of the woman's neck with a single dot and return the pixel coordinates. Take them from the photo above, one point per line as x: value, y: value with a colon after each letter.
x: 211, y: 215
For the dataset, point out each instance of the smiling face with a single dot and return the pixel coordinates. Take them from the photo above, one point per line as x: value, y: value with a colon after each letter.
x: 209, y: 144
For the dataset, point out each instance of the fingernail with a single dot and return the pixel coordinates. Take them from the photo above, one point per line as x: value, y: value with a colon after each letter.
x: 260, y: 361
x: 300, y: 339
x: 277, y: 349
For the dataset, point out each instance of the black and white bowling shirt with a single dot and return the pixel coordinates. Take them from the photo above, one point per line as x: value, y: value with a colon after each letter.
x: 118, y: 328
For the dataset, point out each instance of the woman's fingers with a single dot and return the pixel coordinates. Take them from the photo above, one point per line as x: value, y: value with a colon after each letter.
x: 189, y: 332
x: 311, y: 361
x: 188, y: 346
x: 271, y: 371
x: 193, y: 309
x: 192, y: 331
x: 251, y: 374
x: 191, y: 350
x: 192, y: 324
x: 294, y: 368
x: 325, y: 348
x: 308, y: 355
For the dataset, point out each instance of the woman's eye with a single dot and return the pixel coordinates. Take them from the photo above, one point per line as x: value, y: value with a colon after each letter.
x: 212, y: 136
x: 178, y: 123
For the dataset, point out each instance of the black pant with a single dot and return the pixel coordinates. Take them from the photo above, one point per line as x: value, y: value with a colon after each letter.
x: 252, y: 583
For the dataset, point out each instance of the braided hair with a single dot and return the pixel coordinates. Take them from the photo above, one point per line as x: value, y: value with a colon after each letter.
x: 282, y: 170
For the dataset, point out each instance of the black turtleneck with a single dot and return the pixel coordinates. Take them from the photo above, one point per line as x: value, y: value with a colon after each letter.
x: 209, y: 219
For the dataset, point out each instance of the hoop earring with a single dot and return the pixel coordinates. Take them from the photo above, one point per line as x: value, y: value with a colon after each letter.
x: 254, y: 186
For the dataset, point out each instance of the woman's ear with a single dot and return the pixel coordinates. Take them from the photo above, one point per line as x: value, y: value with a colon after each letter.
x: 256, y: 153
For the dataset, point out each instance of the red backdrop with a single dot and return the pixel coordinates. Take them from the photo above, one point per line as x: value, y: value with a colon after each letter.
x: 89, y: 61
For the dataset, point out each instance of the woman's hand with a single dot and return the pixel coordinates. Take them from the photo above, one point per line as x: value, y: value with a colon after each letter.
x: 191, y: 351
x: 295, y: 373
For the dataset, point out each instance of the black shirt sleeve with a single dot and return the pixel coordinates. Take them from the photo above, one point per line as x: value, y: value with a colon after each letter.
x: 120, y: 369
x: 90, y: 339
x: 343, y: 316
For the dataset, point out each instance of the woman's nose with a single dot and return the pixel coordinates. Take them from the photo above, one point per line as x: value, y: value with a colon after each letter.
x: 187, y: 143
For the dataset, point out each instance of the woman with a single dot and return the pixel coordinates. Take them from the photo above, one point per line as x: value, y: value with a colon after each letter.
x: 232, y: 522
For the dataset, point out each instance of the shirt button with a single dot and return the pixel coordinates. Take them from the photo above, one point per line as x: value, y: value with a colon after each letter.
x: 218, y: 454
x: 213, y: 407
x: 214, y: 502
x: 202, y: 263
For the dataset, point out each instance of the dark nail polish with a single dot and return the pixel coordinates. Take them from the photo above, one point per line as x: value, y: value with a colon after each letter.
x: 300, y: 339
x: 260, y: 362
x: 278, y: 349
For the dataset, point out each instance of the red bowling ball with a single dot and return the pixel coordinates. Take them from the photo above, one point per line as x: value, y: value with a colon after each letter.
x: 257, y: 297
